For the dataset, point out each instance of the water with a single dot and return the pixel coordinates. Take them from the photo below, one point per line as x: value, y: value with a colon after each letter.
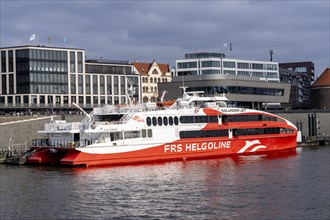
x: 286, y: 186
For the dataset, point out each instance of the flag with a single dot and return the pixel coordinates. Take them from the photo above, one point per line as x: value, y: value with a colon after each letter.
x: 225, y: 44
x: 49, y: 39
x: 33, y: 37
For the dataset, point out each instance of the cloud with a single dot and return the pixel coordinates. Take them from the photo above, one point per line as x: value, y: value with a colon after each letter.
x: 166, y: 30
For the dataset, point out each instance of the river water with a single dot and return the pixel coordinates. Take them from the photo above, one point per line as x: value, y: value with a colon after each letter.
x: 283, y: 186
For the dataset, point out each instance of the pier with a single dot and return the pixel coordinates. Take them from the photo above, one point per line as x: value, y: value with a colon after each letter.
x: 18, y: 132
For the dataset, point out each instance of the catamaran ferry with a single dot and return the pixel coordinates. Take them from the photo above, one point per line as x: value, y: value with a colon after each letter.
x: 192, y: 127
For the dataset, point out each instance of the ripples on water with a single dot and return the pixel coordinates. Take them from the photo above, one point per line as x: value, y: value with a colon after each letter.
x: 286, y: 186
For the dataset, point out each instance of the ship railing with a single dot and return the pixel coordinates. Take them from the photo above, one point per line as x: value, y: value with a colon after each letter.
x: 112, y: 109
x: 87, y: 121
x: 129, y: 113
x: 61, y: 126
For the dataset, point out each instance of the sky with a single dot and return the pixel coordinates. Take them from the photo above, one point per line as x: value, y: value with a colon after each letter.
x: 164, y: 30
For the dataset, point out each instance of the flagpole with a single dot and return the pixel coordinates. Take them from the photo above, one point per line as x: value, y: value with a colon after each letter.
x: 66, y: 41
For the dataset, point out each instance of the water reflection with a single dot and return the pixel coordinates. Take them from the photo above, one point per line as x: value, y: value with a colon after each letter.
x: 271, y: 186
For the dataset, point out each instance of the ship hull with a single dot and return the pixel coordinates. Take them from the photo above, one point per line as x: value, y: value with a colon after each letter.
x: 183, y: 149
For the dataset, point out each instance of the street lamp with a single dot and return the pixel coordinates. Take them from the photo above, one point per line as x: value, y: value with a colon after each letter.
x: 271, y: 52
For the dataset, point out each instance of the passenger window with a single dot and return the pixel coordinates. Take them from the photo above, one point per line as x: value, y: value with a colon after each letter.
x: 176, y: 120
x: 144, y: 133
x: 148, y: 121
x: 154, y: 121
x: 170, y: 120
x: 165, y: 121
x: 160, y: 121
x: 149, y: 133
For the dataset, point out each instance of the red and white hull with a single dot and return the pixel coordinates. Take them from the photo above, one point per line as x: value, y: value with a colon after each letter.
x: 178, y: 150
x: 194, y: 127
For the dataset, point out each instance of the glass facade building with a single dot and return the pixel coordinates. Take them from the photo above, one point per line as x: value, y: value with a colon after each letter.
x: 39, y: 76
x: 216, y: 63
x: 246, y: 83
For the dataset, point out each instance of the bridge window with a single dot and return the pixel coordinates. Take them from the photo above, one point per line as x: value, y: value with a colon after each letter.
x: 203, y: 133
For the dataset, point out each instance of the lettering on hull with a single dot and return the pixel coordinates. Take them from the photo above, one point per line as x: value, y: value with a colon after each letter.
x: 190, y: 147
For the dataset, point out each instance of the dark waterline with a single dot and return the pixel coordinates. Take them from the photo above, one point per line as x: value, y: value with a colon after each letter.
x: 286, y: 186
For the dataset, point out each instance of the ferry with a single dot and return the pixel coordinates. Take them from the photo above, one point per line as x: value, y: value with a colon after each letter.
x: 192, y: 127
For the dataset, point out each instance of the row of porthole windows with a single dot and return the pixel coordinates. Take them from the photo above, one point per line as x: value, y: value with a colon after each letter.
x: 166, y: 120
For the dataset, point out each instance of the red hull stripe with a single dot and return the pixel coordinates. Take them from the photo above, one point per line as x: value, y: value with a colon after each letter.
x: 179, y: 150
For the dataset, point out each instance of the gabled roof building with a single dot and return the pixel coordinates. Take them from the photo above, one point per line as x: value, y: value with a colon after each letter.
x: 152, y: 74
x: 320, y: 91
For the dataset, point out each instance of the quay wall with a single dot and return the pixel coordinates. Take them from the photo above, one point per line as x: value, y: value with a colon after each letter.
x: 23, y: 129
x: 310, y: 123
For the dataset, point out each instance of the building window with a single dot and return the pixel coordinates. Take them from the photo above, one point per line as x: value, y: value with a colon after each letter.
x: 88, y: 100
x: 11, y: 83
x: 65, y: 99
x: 80, y: 84
x: 257, y: 66
x: 95, y: 100
x: 145, y: 99
x: 109, y: 85
x: 4, y: 84
x: 80, y: 63
x: 95, y: 85
x: 73, y: 83
x: 228, y: 64
x: 102, y: 100
x: 115, y: 85
x: 10, y: 100
x: 58, y: 99
x: 102, y: 85
x: 25, y: 99
x: 186, y: 65
x: 155, y: 72
x: 122, y: 85
x: 243, y: 65
x: 88, y: 84
x: 116, y: 100
x: 210, y: 63
x: 11, y: 61
x: 81, y: 99
x: 42, y: 99
x: 3, y: 62
x: 72, y: 62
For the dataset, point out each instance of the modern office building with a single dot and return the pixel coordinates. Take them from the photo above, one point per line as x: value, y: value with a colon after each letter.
x: 303, y: 75
x: 246, y: 83
x: 300, y: 88
x: 208, y: 63
x: 152, y: 74
x: 304, y: 68
x: 52, y: 77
